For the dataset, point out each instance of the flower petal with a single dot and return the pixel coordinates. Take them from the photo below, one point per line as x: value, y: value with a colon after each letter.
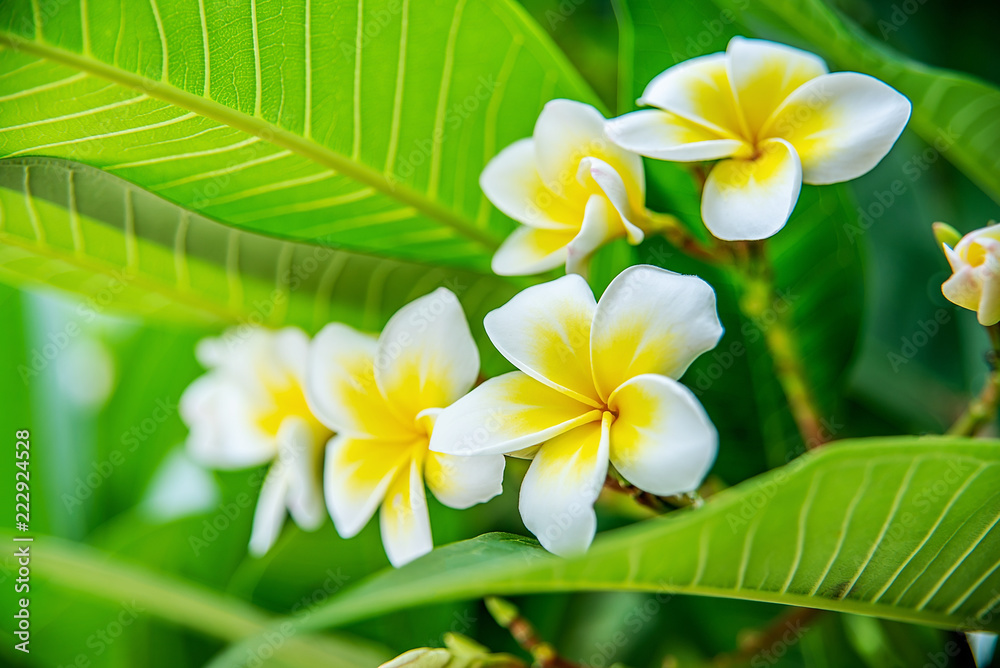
x: 271, y: 511
x: 357, y: 475
x: 698, y: 90
x: 651, y: 320
x: 662, y: 440
x: 666, y: 136
x: 223, y: 433
x: 764, y: 73
x: 545, y: 332
x: 404, y: 520
x: 561, y: 485
x: 615, y: 190
x: 512, y: 183
x: 298, y: 456
x: 341, y: 388
x: 531, y: 251
x: 426, y: 356
x: 504, y: 414
x: 461, y: 482
x: 601, y: 224
x: 565, y: 133
x: 841, y: 125
x: 752, y: 199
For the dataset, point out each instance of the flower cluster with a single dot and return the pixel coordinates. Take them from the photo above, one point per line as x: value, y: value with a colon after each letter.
x: 373, y: 421
x: 772, y: 116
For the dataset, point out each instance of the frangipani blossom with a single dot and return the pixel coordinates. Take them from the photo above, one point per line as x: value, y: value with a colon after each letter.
x: 250, y: 409
x: 775, y: 117
x: 382, y: 397
x: 975, y: 261
x: 570, y: 186
x: 596, y: 382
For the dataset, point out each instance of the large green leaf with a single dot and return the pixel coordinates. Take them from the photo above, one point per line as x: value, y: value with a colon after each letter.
x: 77, y: 228
x: 901, y: 528
x: 362, y: 124
x: 956, y: 113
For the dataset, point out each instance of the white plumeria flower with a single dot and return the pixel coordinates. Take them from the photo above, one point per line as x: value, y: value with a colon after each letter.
x: 776, y: 117
x: 250, y: 409
x: 382, y: 397
x: 975, y: 261
x: 571, y: 187
x: 596, y: 382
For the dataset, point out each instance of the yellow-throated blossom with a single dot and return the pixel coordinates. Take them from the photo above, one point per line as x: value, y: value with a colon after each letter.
x: 775, y: 117
x: 250, y: 409
x: 571, y: 188
x: 382, y: 397
x: 975, y: 261
x: 596, y: 381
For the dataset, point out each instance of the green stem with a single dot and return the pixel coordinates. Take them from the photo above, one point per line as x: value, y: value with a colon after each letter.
x: 754, y: 278
x: 983, y: 408
x: 681, y: 238
x: 87, y: 571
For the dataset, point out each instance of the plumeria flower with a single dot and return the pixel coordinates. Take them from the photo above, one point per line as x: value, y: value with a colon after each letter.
x: 975, y: 261
x: 250, y: 409
x: 571, y: 188
x: 596, y: 382
x: 775, y: 118
x: 382, y: 397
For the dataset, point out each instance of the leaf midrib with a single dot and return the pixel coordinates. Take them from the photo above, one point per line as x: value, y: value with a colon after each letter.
x: 260, y: 128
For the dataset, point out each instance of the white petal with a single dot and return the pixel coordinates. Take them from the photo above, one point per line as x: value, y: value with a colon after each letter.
x: 545, y: 332
x: 357, y: 475
x: 223, y: 432
x: 662, y: 440
x: 613, y: 185
x: 461, y: 482
x: 841, y: 125
x: 699, y: 91
x: 561, y: 485
x: 341, y: 389
x: 299, y: 457
x: 567, y: 132
x: 764, y: 73
x: 404, y: 520
x: 271, y: 511
x: 504, y: 414
x: 665, y: 136
x: 426, y: 357
x: 531, y: 251
x: 601, y: 224
x: 512, y: 183
x: 964, y: 288
x: 651, y: 320
x: 752, y: 199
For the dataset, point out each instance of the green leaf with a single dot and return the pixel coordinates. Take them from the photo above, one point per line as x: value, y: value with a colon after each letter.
x: 76, y: 228
x: 957, y: 114
x: 899, y: 528
x: 364, y: 125
x: 66, y: 566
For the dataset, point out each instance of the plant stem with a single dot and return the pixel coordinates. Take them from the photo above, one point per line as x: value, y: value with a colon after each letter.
x: 791, y: 623
x: 758, y: 302
x: 509, y: 617
x: 983, y: 408
x: 681, y: 238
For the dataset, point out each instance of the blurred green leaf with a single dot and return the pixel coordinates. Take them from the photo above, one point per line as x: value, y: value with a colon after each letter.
x: 79, y: 229
x: 80, y: 569
x: 364, y: 125
x: 899, y: 528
